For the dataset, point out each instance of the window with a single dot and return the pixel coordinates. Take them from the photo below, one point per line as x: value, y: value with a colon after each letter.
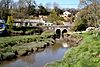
x: 2, y: 25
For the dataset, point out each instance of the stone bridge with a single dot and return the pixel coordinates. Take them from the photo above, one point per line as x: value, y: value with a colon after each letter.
x: 59, y: 29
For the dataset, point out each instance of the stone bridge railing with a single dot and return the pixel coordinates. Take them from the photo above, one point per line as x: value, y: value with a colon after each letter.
x: 57, y: 26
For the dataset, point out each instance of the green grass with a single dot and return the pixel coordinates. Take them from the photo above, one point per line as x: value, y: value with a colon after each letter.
x: 84, y: 55
x: 10, y: 41
x: 7, y: 43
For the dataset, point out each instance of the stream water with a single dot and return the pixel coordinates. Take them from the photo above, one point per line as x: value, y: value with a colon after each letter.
x: 39, y: 59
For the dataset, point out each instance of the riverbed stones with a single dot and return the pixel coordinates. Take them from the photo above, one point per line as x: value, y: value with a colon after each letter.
x: 8, y: 56
x: 16, y: 53
x: 39, y: 49
x: 48, y: 44
x: 34, y: 49
x: 22, y: 52
x: 1, y: 57
x: 51, y: 43
x: 21, y: 49
x: 72, y: 40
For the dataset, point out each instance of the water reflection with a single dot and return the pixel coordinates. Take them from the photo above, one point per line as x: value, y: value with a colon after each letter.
x: 40, y: 59
x: 29, y: 59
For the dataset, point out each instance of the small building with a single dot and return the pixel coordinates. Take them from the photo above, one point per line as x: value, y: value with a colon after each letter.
x: 32, y: 22
x: 26, y: 22
x: 45, y: 23
x: 66, y: 14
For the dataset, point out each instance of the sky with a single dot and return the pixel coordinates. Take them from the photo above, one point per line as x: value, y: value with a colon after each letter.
x: 61, y: 3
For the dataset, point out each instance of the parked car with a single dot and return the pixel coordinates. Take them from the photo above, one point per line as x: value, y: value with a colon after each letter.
x: 3, y: 30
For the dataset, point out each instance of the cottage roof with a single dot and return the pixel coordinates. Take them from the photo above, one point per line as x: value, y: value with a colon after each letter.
x: 66, y: 13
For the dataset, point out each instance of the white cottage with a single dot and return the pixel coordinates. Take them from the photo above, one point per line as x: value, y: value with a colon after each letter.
x: 66, y: 14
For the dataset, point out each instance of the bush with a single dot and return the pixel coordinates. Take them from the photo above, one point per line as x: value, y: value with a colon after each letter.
x: 80, y: 25
x: 39, y: 24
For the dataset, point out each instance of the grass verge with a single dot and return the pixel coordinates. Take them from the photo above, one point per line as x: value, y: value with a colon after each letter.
x: 85, y: 55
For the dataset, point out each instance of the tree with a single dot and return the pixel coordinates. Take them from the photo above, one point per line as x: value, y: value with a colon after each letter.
x: 42, y: 10
x: 80, y: 21
x: 32, y: 10
x: 88, y: 2
x: 90, y: 13
x: 93, y: 9
x: 10, y: 22
x: 54, y: 17
x: 24, y: 9
x: 5, y: 6
x: 57, y: 9
x: 30, y: 7
x: 21, y: 3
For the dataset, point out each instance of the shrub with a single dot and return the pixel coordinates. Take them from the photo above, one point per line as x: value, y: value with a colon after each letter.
x: 80, y: 25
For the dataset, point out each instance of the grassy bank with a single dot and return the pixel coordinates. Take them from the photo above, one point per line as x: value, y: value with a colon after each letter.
x: 22, y: 45
x: 15, y: 40
x: 85, y: 55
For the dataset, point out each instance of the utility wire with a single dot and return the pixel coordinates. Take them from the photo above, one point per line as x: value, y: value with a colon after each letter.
x: 67, y: 4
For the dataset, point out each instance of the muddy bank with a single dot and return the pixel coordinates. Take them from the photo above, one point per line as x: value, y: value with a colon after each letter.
x: 72, y: 39
x: 26, y: 49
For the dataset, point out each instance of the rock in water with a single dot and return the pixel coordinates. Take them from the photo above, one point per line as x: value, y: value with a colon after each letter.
x: 65, y: 45
x: 8, y: 56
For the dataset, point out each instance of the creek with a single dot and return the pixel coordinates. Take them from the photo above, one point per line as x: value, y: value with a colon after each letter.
x: 39, y: 59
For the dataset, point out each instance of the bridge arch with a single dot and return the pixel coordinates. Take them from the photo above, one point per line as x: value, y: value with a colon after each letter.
x: 64, y: 31
x: 60, y: 32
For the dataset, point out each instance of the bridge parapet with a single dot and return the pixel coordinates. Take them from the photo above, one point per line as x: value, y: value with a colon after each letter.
x: 54, y: 27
